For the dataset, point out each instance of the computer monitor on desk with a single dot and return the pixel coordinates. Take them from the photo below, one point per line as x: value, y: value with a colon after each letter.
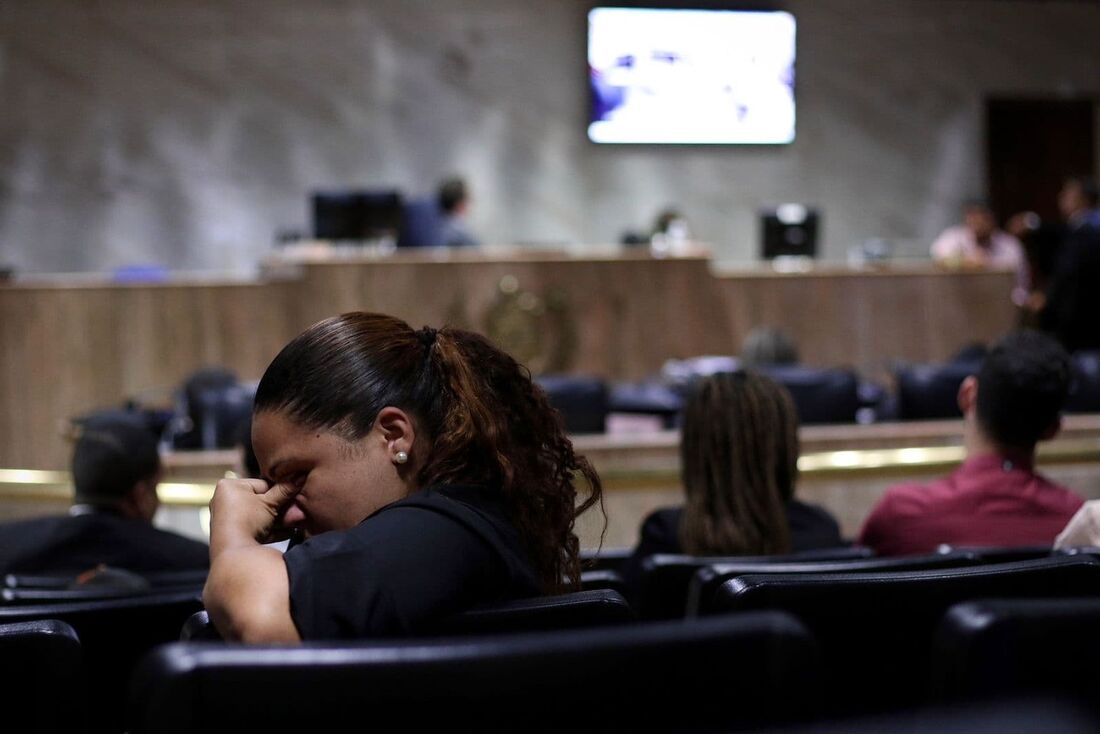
x: 357, y: 215
x: 789, y: 231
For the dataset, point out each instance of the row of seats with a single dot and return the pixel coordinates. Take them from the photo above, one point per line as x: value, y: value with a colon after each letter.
x: 213, y: 403
x: 921, y: 392
x: 777, y: 649
x: 871, y: 633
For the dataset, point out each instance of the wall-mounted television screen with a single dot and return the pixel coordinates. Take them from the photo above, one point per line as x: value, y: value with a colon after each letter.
x: 691, y: 76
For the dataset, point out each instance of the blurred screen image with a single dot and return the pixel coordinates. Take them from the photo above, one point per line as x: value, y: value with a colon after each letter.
x: 691, y: 76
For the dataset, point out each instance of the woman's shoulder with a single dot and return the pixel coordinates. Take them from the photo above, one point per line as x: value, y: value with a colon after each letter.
x: 812, y: 527
x: 439, y: 520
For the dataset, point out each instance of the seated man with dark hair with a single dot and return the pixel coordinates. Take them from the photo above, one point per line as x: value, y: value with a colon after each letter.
x: 454, y: 200
x: 995, y: 498
x: 115, y: 469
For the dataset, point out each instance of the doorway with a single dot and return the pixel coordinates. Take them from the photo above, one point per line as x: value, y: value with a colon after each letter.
x: 1032, y: 145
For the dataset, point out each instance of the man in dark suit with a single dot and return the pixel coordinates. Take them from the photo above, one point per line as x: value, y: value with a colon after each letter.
x: 115, y: 469
x: 1072, y: 301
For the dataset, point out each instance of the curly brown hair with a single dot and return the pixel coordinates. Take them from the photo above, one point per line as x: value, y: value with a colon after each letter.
x: 485, y: 421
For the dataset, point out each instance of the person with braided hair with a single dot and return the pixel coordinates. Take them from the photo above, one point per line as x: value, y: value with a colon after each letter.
x: 423, y: 473
x: 739, y: 464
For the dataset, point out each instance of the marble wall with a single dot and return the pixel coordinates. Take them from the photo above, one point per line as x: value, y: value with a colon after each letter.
x: 185, y: 132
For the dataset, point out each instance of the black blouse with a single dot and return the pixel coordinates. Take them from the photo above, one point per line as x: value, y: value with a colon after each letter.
x: 408, y: 566
x: 811, y: 528
x: 75, y: 543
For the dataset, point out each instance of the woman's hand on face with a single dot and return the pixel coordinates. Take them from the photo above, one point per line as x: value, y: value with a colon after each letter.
x: 250, y: 508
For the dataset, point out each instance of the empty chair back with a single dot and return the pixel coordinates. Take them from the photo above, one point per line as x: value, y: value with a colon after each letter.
x: 876, y: 629
x: 648, y: 398
x: 114, y: 635
x: 726, y: 672
x: 662, y: 591
x: 612, y: 580
x: 1029, y: 716
x: 605, y: 559
x: 422, y: 224
x: 927, y: 391
x: 159, y: 580
x: 582, y: 401
x: 222, y: 412
x: 594, y: 608
x: 998, y: 554
x: 598, y: 607
x: 820, y: 395
x: 40, y: 675
x: 1007, y: 647
x: 707, y: 580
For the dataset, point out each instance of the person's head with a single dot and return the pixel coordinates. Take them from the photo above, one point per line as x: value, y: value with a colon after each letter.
x: 665, y: 220
x: 739, y: 453
x: 453, y: 196
x: 768, y: 345
x: 116, y: 466
x: 360, y: 410
x: 1016, y: 398
x: 1078, y: 194
x: 978, y: 218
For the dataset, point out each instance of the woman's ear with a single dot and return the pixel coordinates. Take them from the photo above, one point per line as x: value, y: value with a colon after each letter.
x: 399, y: 432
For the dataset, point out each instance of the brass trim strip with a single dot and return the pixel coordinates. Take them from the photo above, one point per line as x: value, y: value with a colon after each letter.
x: 29, y: 484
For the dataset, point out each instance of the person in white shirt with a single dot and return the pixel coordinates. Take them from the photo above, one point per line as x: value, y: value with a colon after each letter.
x: 979, y: 243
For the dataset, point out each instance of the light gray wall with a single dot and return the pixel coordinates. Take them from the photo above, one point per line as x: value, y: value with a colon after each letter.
x: 186, y: 131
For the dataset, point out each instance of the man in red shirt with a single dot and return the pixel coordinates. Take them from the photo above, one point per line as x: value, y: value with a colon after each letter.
x: 995, y: 498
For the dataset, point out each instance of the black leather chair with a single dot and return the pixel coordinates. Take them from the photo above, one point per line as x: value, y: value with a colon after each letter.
x: 580, y: 609
x: 820, y: 395
x: 213, y: 404
x: 108, y: 583
x: 927, y: 391
x: 114, y: 635
x: 708, y: 579
x: 648, y: 398
x: 662, y: 589
x: 876, y: 629
x: 598, y: 607
x: 40, y: 676
x: 160, y: 580
x: 582, y: 401
x: 1084, y: 395
x: 199, y: 628
x: 728, y: 673
x: 998, y: 554
x: 1002, y: 647
x: 605, y: 559
x: 611, y: 580
x: 1016, y: 716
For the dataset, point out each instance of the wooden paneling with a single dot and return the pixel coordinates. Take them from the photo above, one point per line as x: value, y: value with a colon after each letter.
x: 868, y: 319
x: 69, y: 347
x: 65, y: 350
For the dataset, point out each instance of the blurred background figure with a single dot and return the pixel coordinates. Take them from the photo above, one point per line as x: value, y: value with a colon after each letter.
x: 768, y: 345
x: 979, y: 243
x: 1070, y: 306
x: 115, y: 471
x: 454, y: 202
x: 670, y: 234
x: 739, y: 489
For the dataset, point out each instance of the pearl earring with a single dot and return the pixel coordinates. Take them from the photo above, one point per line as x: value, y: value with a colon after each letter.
x: 400, y: 457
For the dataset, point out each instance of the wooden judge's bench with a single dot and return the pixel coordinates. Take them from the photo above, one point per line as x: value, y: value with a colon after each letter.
x: 70, y: 344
